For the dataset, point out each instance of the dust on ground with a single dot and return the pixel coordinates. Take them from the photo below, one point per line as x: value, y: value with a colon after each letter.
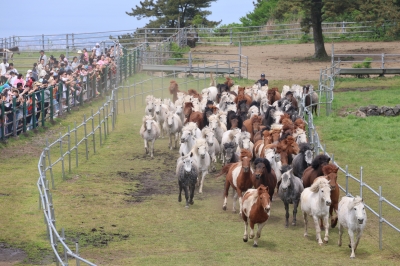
x: 10, y: 256
x: 291, y: 61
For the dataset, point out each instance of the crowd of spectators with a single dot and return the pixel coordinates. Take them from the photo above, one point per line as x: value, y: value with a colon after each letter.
x: 51, y: 79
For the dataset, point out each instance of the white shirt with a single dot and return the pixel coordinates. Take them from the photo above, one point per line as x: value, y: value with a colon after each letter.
x: 44, y: 57
x: 13, y: 79
x: 3, y: 68
x: 98, y: 51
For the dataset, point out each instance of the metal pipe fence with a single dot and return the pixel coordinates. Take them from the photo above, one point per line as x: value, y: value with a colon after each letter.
x: 325, y: 90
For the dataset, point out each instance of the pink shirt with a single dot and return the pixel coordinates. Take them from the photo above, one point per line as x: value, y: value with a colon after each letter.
x: 19, y: 81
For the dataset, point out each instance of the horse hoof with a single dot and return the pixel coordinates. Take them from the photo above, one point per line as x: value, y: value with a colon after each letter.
x: 334, y: 222
x: 305, y: 235
x: 286, y: 226
x: 251, y: 236
x: 349, y: 246
x: 224, y: 208
x: 191, y: 203
x: 255, y: 245
x: 294, y: 223
x: 245, y: 239
x: 187, y: 206
x: 321, y: 244
x: 179, y: 199
x: 234, y: 211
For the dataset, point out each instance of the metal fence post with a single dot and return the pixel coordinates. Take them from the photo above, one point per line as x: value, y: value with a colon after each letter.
x: 14, y: 114
x: 43, y: 42
x: 67, y: 48
x: 380, y: 217
x: 347, y: 180
x: 100, y: 127
x: 240, y: 59
x: 383, y: 60
x: 47, y: 149
x: 94, y: 137
x: 69, y: 149
x: 78, y: 263
x: 361, y: 181
x: 86, y: 140
x: 65, y: 250
x: 76, y: 144
x: 230, y: 33
x: 62, y: 157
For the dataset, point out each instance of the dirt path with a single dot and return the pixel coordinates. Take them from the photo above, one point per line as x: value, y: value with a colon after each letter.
x: 288, y: 61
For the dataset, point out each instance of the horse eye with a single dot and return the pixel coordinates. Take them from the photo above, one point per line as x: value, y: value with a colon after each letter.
x: 322, y: 190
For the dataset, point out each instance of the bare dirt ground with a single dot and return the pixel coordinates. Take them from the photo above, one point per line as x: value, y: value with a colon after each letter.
x: 292, y: 62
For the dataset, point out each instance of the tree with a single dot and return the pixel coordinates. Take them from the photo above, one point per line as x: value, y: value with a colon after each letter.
x: 263, y: 11
x: 173, y: 13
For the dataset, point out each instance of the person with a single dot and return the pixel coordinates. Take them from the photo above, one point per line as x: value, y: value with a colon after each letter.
x: 13, y: 77
x: 3, y: 71
x: 42, y: 57
x: 19, y: 79
x: 263, y: 81
x: 12, y: 68
x: 74, y: 64
x: 98, y: 50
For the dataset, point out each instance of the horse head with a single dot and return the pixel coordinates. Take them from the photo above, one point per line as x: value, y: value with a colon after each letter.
x: 322, y: 187
x: 262, y: 167
x: 209, y: 136
x: 256, y: 123
x: 202, y: 148
x: 330, y: 172
x: 173, y: 87
x: 186, y: 134
x: 149, y: 125
x: 230, y: 149
x: 286, y: 180
x: 150, y: 106
x: 357, y: 205
x: 188, y: 162
x: 170, y: 119
x: 264, y: 198
x: 188, y: 109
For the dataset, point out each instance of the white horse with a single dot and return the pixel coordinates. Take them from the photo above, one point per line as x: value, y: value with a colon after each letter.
x: 275, y: 162
x: 213, y: 146
x: 215, y: 124
x: 187, y: 140
x: 149, y: 132
x: 170, y: 105
x: 196, y: 132
x: 253, y: 110
x: 300, y: 136
x: 160, y: 111
x: 223, y: 117
x: 245, y: 142
x: 149, y: 105
x: 352, y: 215
x: 210, y: 93
x: 264, y: 106
x: 173, y: 126
x: 315, y: 201
x: 179, y: 109
x: 200, y: 153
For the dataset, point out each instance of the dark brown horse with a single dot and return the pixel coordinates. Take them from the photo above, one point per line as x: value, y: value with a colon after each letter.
x: 243, y: 96
x: 264, y: 175
x: 192, y: 116
x: 315, y: 170
x: 330, y: 173
x: 238, y: 175
x: 299, y: 123
x: 273, y: 95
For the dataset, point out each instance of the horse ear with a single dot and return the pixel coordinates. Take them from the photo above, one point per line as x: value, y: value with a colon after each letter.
x: 183, y: 154
x: 191, y: 154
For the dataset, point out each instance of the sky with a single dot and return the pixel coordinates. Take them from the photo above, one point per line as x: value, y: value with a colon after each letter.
x: 79, y: 16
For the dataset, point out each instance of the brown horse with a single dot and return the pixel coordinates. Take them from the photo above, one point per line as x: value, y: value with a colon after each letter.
x: 299, y: 123
x: 315, y: 169
x: 273, y: 95
x: 242, y: 96
x: 256, y: 210
x: 191, y: 116
x: 264, y: 175
x: 174, y: 89
x: 253, y: 125
x: 195, y: 94
x: 229, y: 82
x: 287, y: 148
x: 330, y: 173
x: 267, y: 139
x: 238, y: 175
x: 275, y: 134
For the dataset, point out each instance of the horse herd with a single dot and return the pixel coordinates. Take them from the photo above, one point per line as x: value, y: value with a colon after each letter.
x: 259, y: 136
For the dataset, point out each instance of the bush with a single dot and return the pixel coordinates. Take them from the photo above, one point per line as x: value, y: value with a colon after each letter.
x: 366, y: 63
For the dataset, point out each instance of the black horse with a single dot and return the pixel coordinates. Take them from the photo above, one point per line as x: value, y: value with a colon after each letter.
x: 187, y: 172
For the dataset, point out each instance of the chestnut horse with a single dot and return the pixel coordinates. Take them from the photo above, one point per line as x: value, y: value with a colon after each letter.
x: 174, y: 89
x: 315, y: 169
x: 252, y: 125
x: 191, y: 116
x: 330, y: 173
x: 264, y: 175
x: 287, y: 148
x: 273, y: 95
x: 238, y: 175
x: 243, y: 96
x: 260, y: 144
x: 195, y: 94
x: 256, y: 210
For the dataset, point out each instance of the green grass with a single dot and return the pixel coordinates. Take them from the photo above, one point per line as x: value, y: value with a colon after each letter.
x: 95, y: 206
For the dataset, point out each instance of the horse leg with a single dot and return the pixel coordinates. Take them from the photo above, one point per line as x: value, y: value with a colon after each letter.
x: 357, y: 241
x: 192, y: 188
x: 245, y: 235
x: 295, y: 205
x: 203, y: 175
x: 340, y: 227
x: 317, y: 230
x: 170, y: 141
x: 185, y: 187
x: 226, y: 192
x: 305, y: 223
x: 234, y: 197
x: 333, y: 219
x: 287, y: 213
x: 326, y: 225
x: 152, y: 148
x: 260, y: 227
x: 180, y: 191
x: 352, y: 244
x: 145, y: 147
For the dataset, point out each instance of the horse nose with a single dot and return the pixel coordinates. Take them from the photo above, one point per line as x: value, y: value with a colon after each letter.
x: 246, y: 169
x: 328, y: 203
x: 170, y: 125
x: 284, y: 189
x: 182, y: 140
x: 203, y: 156
x: 157, y: 112
x: 150, y: 110
x: 267, y: 209
x: 211, y: 144
x: 360, y: 221
x: 148, y: 130
x: 258, y: 176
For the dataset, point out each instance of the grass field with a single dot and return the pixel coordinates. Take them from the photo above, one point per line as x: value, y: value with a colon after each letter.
x: 122, y: 206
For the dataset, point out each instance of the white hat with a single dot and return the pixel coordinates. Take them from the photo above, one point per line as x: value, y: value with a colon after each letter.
x: 29, y: 71
x: 79, y: 51
x: 97, y: 43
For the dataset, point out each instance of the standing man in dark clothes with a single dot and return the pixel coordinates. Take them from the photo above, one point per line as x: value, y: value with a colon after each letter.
x: 263, y: 81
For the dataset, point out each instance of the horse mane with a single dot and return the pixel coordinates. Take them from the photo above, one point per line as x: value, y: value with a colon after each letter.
x: 254, y: 103
x: 265, y: 162
x: 304, y: 147
x: 245, y: 135
x: 231, y: 145
x: 255, y: 118
x: 357, y: 200
x: 275, y: 89
x: 149, y: 98
x: 320, y: 159
x: 318, y: 183
x: 329, y: 168
x: 284, y: 116
x: 245, y: 153
x: 199, y: 143
x: 205, y: 131
x: 189, y: 104
x: 229, y: 82
x: 265, y: 129
x: 232, y: 134
x: 284, y: 136
x: 190, y: 126
x: 285, y: 168
x: 193, y: 92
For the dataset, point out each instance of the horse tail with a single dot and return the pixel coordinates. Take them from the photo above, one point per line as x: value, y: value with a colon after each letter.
x: 224, y: 170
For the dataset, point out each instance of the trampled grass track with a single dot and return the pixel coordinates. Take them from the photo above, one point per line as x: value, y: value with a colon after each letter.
x: 95, y: 206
